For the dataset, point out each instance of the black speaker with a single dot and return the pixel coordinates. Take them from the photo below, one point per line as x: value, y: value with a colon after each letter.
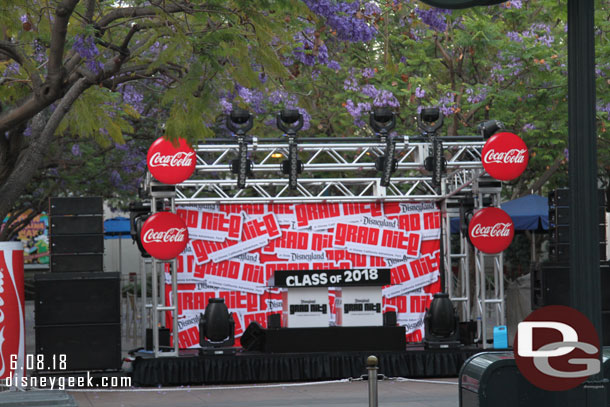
x: 274, y: 321
x: 77, y: 262
x: 253, y: 337
x: 560, y: 252
x: 87, y: 347
x: 555, y: 285
x: 76, y: 225
x: 560, y: 216
x: 163, y: 338
x: 561, y: 233
x: 76, y: 206
x: 77, y: 298
x: 561, y: 197
x: 77, y: 244
x: 389, y: 318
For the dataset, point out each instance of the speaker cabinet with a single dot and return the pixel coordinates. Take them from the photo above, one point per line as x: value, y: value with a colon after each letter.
x: 77, y: 298
x: 561, y: 233
x: 77, y: 244
x: 560, y: 252
x: 163, y: 338
x: 555, y: 285
x: 561, y: 197
x: 389, y: 318
x: 253, y: 337
x: 77, y: 262
x: 76, y: 206
x: 86, y: 346
x: 76, y: 225
x: 274, y: 321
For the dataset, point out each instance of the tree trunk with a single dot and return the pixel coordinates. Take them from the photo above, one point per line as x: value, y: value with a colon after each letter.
x: 30, y: 159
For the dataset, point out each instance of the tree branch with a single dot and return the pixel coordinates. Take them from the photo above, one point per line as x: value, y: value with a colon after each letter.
x: 30, y: 159
x: 58, y: 38
x: 15, y: 53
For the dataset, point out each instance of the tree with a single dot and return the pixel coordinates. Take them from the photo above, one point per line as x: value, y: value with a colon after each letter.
x: 65, y: 62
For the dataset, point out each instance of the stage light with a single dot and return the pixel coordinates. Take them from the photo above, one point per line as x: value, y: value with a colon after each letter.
x: 382, y: 120
x: 290, y: 121
x: 240, y: 121
x: 138, y: 213
x: 216, y: 325
x: 489, y: 128
x: 441, y: 323
x: 429, y: 121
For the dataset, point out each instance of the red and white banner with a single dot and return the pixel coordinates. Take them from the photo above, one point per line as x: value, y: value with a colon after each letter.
x: 235, y: 249
x: 12, y: 311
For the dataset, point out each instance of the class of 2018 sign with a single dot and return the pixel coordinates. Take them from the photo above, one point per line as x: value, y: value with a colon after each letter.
x: 235, y: 249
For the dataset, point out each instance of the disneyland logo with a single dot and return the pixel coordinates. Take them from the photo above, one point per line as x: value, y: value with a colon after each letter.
x: 513, y: 156
x: 173, y: 235
x: 497, y: 230
x: 180, y: 159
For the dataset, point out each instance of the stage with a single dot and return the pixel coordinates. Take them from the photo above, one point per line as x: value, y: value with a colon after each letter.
x: 258, y: 367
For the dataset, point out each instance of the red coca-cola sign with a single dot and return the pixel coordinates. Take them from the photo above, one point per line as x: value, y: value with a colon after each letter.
x: 164, y: 235
x: 12, y: 312
x: 491, y: 230
x: 169, y: 163
x: 505, y: 156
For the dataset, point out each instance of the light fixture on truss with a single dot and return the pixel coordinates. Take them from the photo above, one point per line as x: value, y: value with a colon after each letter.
x: 382, y: 120
x: 239, y: 122
x: 290, y: 121
x: 429, y: 121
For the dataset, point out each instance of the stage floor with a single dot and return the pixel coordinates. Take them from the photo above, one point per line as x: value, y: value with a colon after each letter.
x: 257, y: 367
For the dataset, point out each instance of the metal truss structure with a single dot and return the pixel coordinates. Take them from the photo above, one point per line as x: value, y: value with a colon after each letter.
x: 333, y: 171
x: 344, y: 170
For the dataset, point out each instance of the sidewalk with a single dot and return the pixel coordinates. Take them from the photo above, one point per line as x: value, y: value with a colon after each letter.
x: 392, y: 393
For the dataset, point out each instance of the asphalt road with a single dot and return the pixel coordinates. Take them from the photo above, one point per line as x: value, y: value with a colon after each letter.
x: 392, y: 393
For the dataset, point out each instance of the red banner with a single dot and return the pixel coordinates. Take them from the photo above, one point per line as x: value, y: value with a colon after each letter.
x: 235, y: 249
x: 12, y: 311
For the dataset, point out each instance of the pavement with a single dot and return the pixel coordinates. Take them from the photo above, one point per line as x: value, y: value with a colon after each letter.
x: 392, y: 393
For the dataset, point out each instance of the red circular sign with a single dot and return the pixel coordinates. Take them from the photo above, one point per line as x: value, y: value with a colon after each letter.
x: 556, y: 348
x: 164, y: 235
x: 491, y: 230
x: 171, y: 164
x: 505, y: 156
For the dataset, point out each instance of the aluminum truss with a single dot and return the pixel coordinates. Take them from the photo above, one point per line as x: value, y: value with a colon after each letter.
x: 343, y: 170
x: 333, y: 171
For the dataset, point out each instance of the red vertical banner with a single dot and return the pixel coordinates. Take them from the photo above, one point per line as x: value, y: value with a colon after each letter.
x: 12, y: 311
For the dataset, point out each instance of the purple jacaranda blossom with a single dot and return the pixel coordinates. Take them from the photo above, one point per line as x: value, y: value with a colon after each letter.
x: 76, y: 150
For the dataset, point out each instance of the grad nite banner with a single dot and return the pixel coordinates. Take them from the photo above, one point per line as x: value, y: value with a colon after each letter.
x: 235, y: 249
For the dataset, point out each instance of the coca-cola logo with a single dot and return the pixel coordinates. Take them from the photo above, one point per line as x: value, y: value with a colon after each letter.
x: 164, y: 235
x: 505, y: 156
x: 171, y: 163
x: 491, y: 230
x: 181, y: 159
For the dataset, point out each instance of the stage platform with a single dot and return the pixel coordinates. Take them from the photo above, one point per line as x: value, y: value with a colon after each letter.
x: 258, y: 367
